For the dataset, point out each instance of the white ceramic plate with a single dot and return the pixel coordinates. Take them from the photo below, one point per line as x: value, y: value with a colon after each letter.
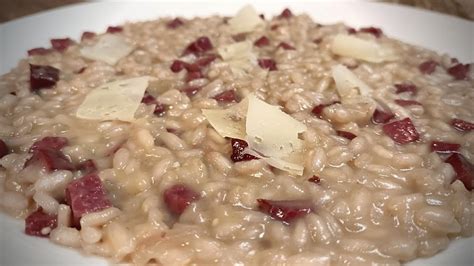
x: 438, y: 32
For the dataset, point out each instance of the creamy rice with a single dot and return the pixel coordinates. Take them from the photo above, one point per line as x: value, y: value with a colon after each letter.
x: 377, y: 201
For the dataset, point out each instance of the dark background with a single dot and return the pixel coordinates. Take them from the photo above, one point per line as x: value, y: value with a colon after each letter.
x: 11, y: 9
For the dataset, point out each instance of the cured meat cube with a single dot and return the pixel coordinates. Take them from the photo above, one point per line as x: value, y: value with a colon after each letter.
x: 401, y: 131
x: 463, y: 168
x: 178, y: 197
x: 39, y: 223
x: 285, y: 210
x: 86, y: 195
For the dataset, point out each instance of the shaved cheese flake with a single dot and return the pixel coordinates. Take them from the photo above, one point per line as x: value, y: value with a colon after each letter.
x: 271, y: 134
x: 270, y: 131
x: 371, y: 51
x: 246, y: 20
x: 239, y: 56
x: 348, y: 84
x: 229, y: 122
x: 110, y: 48
x: 116, y: 100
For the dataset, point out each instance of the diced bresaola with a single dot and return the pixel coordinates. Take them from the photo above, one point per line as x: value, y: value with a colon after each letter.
x: 372, y: 30
x: 43, y: 77
x: 178, y: 197
x: 444, y: 147
x: 114, y: 29
x: 87, y: 35
x: 194, y: 75
x: 86, y: 195
x: 3, y: 149
x: 401, y: 131
x: 39, y: 51
x: 428, y: 67
x: 459, y: 71
x: 462, y: 125
x: 55, y: 143
x: 405, y: 87
x: 177, y: 66
x: 160, y: 109
x: 262, y: 41
x: 173, y: 24
x: 199, y: 46
x: 346, y: 134
x: 238, y: 151
x: 285, y: 210
x: 463, y: 168
x: 286, y: 13
x: 61, y: 45
x: 267, y: 63
x: 381, y: 117
x: 315, y: 179
x: 228, y: 96
x: 39, y: 223
x: 47, y: 152
x: 51, y: 160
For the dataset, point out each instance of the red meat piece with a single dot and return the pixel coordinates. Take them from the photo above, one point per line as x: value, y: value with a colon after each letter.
x: 38, y: 221
x: 238, y: 147
x: 462, y: 125
x: 267, y: 63
x: 463, y: 168
x: 61, y: 45
x: 86, y: 195
x: 401, y: 131
x: 262, y: 41
x: 43, y: 77
x: 444, y: 147
x: 285, y: 210
x: 3, y: 149
x: 428, y: 67
x: 178, y: 197
x: 227, y: 97
x: 345, y: 134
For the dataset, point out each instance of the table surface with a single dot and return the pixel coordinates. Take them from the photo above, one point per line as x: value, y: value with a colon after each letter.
x: 19, y: 8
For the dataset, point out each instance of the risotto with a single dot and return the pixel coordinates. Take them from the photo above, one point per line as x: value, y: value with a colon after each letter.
x: 240, y: 140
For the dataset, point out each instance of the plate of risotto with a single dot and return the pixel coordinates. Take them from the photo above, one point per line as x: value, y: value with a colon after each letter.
x: 210, y: 133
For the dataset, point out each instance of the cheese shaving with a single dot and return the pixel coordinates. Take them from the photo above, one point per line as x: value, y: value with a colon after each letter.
x: 230, y: 122
x: 116, y: 100
x: 368, y: 50
x: 271, y: 134
x: 239, y: 56
x: 246, y: 20
x: 110, y: 48
x: 270, y: 131
x: 348, y: 85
